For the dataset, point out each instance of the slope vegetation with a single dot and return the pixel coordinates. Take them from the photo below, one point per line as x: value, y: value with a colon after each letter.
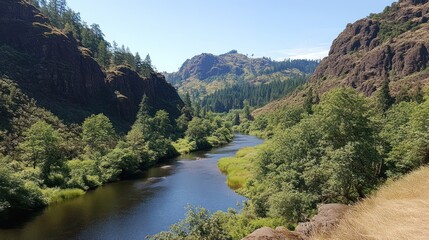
x: 390, y: 47
x: 206, y: 73
x: 399, y: 210
x: 52, y: 67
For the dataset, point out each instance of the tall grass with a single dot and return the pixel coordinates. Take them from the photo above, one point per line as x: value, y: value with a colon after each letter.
x: 399, y: 210
x: 56, y: 195
x: 241, y: 168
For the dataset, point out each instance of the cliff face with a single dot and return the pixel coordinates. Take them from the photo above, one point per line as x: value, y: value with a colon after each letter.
x: 60, y: 74
x: 388, y: 46
x: 128, y: 88
x: 391, y: 46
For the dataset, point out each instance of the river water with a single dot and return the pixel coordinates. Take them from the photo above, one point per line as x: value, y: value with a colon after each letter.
x: 137, y: 208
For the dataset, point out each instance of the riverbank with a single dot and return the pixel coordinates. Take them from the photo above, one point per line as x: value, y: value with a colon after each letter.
x: 241, y: 168
x: 137, y: 207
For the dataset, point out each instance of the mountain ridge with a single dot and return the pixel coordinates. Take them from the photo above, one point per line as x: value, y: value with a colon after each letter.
x: 390, y: 47
x: 63, y: 76
x: 206, y: 73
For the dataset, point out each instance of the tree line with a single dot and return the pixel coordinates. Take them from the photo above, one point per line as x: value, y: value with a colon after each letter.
x: 43, y: 160
x: 336, y: 148
x: 91, y: 36
x: 257, y: 95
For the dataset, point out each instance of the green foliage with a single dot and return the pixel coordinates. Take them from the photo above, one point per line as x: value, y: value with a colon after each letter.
x: 98, y: 134
x: 233, y: 97
x: 83, y: 174
x: 197, y: 225
x: 198, y: 131
x: 56, y: 195
x: 91, y: 37
x: 241, y: 168
x: 41, y: 147
x: 201, y: 224
x: 392, y: 29
x: 15, y: 192
x: 330, y: 156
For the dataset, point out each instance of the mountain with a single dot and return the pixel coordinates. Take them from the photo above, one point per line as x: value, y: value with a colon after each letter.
x: 206, y: 73
x: 53, y: 68
x: 390, y: 47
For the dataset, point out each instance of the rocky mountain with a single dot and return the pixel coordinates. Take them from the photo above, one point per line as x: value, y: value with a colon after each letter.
x: 390, y: 46
x: 54, y: 69
x: 205, y: 73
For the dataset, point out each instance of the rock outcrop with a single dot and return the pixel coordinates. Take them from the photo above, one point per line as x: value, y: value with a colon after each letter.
x: 387, y: 46
x: 328, y: 217
x: 390, y: 46
x: 266, y: 233
x: 62, y: 76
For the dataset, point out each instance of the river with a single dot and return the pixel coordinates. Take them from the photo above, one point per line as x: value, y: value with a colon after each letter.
x: 137, y: 208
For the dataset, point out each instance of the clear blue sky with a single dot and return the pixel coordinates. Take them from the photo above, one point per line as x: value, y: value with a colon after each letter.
x: 172, y: 31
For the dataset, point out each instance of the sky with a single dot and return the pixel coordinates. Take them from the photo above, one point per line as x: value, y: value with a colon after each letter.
x: 172, y: 31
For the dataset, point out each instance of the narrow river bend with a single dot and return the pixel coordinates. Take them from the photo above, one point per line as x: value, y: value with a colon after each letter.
x: 135, y: 209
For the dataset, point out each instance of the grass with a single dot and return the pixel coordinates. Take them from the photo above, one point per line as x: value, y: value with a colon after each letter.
x: 399, y: 210
x: 56, y: 195
x: 241, y: 168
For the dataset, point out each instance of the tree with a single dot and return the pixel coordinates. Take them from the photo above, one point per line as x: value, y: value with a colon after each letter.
x: 236, y: 119
x: 246, y: 110
x: 147, y: 62
x: 384, y: 99
x: 41, y: 146
x: 198, y: 130
x: 98, y: 134
x: 188, y: 109
x: 103, y: 55
x: 138, y: 63
x: 308, y: 102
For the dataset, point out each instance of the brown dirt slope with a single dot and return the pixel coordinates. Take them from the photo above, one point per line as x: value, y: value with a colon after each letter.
x: 399, y: 210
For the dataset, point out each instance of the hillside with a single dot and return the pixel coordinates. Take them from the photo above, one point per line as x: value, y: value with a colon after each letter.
x: 52, y: 67
x: 399, y: 210
x: 388, y: 47
x: 206, y: 73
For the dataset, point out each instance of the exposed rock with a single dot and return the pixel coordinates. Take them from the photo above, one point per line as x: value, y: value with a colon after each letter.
x: 266, y: 233
x: 327, y: 218
x: 129, y: 88
x: 63, y: 76
x: 363, y: 60
x: 392, y: 46
x: 325, y: 221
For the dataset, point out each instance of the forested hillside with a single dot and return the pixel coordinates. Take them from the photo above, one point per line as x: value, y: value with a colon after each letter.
x: 361, y: 121
x: 205, y: 74
x: 74, y: 117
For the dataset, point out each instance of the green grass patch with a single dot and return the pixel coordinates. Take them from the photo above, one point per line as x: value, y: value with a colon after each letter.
x: 241, y: 168
x: 56, y: 195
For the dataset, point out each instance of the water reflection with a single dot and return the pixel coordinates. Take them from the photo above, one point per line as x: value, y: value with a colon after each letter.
x: 134, y: 209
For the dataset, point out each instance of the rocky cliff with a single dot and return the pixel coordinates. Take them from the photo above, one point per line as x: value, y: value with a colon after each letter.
x: 62, y: 76
x: 390, y: 46
x: 387, y: 46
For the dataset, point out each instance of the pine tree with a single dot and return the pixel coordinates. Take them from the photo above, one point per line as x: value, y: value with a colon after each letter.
x: 384, y: 99
x: 103, y: 55
x: 138, y: 63
x: 308, y: 102
x: 246, y: 110
x: 237, y: 119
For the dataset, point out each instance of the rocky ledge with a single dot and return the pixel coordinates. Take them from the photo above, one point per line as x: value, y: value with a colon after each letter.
x: 324, y: 222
